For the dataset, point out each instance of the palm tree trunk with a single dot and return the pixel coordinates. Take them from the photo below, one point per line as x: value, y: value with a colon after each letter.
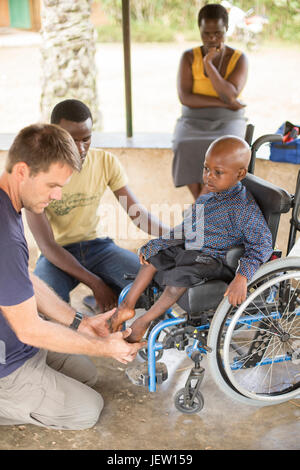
x: 68, y: 55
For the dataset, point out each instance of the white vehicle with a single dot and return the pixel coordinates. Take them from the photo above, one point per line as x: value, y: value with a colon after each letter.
x: 245, y: 26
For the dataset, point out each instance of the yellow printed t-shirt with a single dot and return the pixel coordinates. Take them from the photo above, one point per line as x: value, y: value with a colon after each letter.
x: 201, y: 83
x: 74, y: 218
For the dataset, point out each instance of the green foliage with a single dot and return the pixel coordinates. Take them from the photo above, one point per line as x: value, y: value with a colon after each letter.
x: 175, y: 11
x: 166, y: 20
x: 152, y: 20
x: 156, y: 32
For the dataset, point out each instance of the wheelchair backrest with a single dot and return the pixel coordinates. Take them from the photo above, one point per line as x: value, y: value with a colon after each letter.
x: 272, y: 200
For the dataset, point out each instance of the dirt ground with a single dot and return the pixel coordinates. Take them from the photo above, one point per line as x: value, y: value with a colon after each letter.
x: 272, y: 93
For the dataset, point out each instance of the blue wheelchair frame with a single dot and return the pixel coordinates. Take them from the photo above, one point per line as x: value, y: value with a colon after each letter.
x: 197, y: 346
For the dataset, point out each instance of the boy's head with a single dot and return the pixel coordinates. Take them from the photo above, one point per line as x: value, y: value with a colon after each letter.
x: 226, y: 163
x: 76, y: 118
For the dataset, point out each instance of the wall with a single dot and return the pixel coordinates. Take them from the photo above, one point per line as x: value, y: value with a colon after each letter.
x: 4, y: 14
x: 35, y: 14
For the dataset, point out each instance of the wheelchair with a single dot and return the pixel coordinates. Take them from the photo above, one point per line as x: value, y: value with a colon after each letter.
x: 253, y: 350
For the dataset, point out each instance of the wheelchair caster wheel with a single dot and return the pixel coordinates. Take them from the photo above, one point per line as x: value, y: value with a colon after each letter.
x: 143, y: 353
x: 183, y: 402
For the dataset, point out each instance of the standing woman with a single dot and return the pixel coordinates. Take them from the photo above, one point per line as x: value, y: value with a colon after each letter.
x: 210, y: 80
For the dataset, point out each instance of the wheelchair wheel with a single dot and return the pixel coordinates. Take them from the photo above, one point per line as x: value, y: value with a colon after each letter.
x: 256, y: 348
x: 186, y: 403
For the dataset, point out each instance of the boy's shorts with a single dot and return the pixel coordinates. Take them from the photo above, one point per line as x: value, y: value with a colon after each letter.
x: 187, y: 268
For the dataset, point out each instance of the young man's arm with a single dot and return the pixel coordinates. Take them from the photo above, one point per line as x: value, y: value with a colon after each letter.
x: 57, y: 255
x: 138, y: 213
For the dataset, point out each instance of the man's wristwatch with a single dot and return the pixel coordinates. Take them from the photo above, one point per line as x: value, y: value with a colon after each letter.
x: 76, y: 321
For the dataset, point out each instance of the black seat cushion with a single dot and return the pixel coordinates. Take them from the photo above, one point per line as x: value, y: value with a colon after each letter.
x: 205, y: 297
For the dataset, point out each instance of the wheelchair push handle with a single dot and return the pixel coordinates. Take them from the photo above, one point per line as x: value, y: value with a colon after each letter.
x: 267, y: 138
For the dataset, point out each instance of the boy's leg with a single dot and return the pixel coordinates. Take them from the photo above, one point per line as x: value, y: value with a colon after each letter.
x: 125, y: 311
x: 162, y: 263
x: 170, y: 296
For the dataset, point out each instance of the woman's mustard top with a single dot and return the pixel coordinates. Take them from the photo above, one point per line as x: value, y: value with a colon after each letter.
x: 201, y: 83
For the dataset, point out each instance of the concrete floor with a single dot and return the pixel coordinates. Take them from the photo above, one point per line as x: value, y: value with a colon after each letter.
x: 135, y: 419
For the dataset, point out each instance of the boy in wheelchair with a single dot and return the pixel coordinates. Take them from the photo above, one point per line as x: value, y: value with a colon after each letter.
x: 224, y: 215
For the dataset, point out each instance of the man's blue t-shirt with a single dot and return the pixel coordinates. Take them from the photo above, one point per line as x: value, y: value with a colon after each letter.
x: 15, y: 284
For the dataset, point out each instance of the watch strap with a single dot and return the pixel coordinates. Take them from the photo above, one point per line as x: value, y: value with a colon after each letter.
x: 76, y: 321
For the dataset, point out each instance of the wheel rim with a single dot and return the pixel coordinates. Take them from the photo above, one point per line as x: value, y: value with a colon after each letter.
x: 262, y: 355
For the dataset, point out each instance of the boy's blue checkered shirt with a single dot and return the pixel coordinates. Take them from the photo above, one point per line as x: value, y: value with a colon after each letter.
x: 220, y: 222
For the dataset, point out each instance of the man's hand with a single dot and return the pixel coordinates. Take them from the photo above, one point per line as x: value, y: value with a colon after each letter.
x: 120, y: 349
x: 96, y: 325
x: 105, y: 297
x: 237, y: 290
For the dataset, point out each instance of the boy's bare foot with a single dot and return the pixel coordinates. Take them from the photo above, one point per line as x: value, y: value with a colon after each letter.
x: 139, y: 328
x: 121, y: 315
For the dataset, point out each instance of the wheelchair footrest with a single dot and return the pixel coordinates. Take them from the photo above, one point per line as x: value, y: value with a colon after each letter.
x: 139, y: 374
